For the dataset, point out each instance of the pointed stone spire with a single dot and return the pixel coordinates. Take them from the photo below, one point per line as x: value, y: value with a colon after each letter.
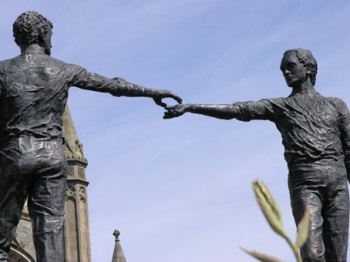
x: 76, y: 227
x: 118, y: 254
x: 73, y: 148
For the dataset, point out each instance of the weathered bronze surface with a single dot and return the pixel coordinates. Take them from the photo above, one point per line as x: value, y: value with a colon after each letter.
x: 33, y: 94
x: 315, y: 133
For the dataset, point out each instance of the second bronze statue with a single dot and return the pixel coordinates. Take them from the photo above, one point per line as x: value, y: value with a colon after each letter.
x: 315, y: 133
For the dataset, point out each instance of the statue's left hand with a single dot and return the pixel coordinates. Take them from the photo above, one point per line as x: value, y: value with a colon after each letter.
x: 175, y: 111
x: 165, y: 94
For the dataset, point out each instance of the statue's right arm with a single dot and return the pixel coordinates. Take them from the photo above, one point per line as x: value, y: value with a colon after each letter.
x: 243, y: 111
x: 223, y: 111
x: 120, y: 87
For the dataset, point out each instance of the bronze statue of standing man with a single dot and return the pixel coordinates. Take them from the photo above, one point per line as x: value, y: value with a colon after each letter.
x: 315, y: 133
x: 33, y: 95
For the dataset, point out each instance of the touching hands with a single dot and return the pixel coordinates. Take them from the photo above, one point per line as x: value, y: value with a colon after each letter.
x: 165, y: 94
x: 175, y: 111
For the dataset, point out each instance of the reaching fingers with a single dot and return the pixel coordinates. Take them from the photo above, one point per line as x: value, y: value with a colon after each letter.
x: 170, y: 114
x: 171, y: 108
x: 177, y: 98
x: 159, y: 102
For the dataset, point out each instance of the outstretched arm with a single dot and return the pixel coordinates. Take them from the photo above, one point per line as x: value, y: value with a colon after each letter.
x: 119, y: 87
x: 217, y: 111
x: 125, y: 88
x: 243, y: 111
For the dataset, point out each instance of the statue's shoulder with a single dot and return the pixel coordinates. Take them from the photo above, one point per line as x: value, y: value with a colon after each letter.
x: 7, y: 61
x: 337, y: 102
x: 6, y: 64
x: 54, y: 63
x: 333, y: 99
x: 53, y: 60
x: 67, y: 64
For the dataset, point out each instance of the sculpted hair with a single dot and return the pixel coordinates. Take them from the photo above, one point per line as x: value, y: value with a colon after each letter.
x: 307, y: 59
x: 30, y: 27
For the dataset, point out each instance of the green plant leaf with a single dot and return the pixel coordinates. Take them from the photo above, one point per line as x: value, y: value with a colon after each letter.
x: 261, y: 257
x: 303, y: 229
x: 269, y: 207
x: 269, y: 199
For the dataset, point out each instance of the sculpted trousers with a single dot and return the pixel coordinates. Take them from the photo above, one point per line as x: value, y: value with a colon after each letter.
x: 324, y: 189
x: 33, y: 168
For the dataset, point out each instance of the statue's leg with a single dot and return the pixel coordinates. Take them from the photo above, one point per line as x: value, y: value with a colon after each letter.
x: 313, y: 250
x: 336, y: 218
x: 13, y: 193
x: 46, y: 203
x: 305, y: 188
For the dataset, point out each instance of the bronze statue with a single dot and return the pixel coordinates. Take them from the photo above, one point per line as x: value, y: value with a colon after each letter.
x: 315, y: 133
x: 33, y: 94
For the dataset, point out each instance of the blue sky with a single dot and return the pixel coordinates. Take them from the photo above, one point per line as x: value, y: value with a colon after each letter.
x: 180, y: 190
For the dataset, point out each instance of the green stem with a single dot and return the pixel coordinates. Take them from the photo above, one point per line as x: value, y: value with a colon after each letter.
x: 295, y: 250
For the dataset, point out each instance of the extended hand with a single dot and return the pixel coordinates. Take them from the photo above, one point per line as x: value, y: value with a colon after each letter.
x: 175, y: 111
x: 165, y: 94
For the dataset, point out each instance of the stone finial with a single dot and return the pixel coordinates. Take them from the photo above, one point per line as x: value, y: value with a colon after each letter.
x: 116, y: 234
x: 118, y: 254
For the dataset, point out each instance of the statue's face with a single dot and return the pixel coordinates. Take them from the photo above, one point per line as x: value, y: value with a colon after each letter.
x: 294, y: 72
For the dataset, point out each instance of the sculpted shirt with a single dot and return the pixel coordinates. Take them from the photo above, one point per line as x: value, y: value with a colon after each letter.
x: 314, y: 129
x: 33, y: 94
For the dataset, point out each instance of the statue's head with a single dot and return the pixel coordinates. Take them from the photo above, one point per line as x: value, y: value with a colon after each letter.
x: 32, y: 28
x: 307, y: 59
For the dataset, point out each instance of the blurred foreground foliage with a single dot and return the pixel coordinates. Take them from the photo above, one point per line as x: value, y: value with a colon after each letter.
x: 272, y: 213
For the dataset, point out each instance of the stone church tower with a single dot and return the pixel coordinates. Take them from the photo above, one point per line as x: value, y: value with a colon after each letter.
x: 76, y: 227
